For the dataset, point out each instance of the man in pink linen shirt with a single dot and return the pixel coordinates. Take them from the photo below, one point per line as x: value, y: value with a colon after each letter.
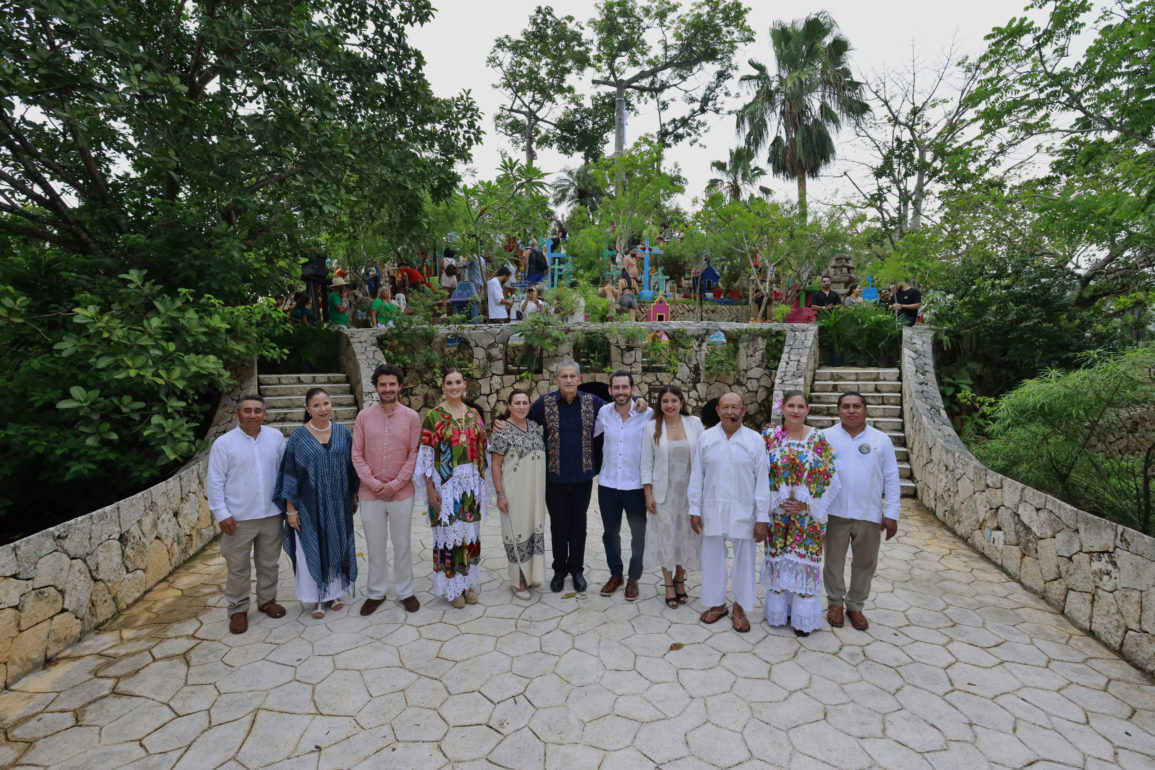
x: 385, y: 442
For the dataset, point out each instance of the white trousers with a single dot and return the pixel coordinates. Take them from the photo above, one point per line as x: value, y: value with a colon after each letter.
x: 714, y: 554
x: 383, y: 520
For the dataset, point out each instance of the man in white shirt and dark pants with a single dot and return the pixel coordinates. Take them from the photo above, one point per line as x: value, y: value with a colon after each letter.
x: 620, y: 481
x: 729, y: 499
x: 243, y: 468
x: 495, y: 291
x: 869, y: 470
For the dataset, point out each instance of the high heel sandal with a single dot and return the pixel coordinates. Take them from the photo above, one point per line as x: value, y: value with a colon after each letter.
x: 672, y: 601
x: 682, y: 596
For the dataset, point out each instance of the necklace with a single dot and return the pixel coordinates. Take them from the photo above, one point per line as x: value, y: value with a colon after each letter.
x: 321, y: 430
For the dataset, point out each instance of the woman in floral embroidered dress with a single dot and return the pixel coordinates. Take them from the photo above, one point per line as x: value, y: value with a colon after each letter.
x: 451, y: 461
x: 517, y: 455
x: 803, y: 484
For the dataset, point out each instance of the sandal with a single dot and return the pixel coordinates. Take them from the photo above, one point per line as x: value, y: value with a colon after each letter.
x: 319, y: 612
x: 672, y: 601
x: 336, y: 604
x: 681, y: 596
x: 714, y: 614
x: 739, y: 620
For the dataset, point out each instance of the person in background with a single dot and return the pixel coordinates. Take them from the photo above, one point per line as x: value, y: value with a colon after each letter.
x: 907, y: 301
x: 340, y: 302
x: 854, y: 297
x: 885, y: 298
x: 301, y: 312
x: 317, y: 489
x: 628, y: 294
x: 579, y: 313
x: 382, y: 312
x: 241, y: 477
x: 495, y: 290
x: 827, y: 298
x: 531, y: 304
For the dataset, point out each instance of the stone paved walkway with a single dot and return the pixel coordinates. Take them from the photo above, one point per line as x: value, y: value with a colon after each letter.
x: 961, y: 668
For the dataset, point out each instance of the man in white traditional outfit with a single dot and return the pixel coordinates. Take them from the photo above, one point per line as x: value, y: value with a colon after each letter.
x: 729, y: 499
x: 868, y: 470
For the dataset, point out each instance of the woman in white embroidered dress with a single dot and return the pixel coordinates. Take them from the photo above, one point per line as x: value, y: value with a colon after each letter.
x: 517, y: 456
x: 666, y: 457
x: 451, y: 462
x: 803, y: 484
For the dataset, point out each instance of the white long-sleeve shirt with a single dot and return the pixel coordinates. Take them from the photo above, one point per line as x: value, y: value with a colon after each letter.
x: 496, y: 294
x: 730, y: 483
x: 622, y: 447
x: 868, y: 469
x: 242, y: 474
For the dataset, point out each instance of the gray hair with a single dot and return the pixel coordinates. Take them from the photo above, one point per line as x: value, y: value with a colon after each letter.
x: 250, y: 397
x: 567, y: 363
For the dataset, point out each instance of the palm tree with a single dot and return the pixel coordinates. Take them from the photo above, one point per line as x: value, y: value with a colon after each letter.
x: 793, y: 110
x: 578, y: 186
x: 737, y: 174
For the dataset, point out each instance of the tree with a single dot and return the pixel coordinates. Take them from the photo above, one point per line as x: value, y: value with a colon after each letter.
x: 578, y: 187
x: 514, y: 204
x: 738, y: 174
x: 642, y: 189
x: 650, y: 49
x: 1100, y: 108
x: 535, y: 71
x: 179, y: 138
x: 793, y: 110
x: 923, y: 124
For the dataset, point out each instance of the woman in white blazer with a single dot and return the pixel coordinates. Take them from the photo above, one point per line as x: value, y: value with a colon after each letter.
x: 666, y: 457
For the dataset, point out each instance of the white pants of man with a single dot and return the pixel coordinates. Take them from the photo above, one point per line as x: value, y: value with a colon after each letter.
x: 384, y: 520
x: 714, y: 571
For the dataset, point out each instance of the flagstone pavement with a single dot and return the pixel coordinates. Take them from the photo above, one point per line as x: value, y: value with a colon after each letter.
x: 961, y: 668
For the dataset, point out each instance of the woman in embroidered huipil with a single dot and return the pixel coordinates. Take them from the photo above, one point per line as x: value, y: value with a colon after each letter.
x: 317, y: 489
x: 451, y: 462
x: 803, y: 484
x: 517, y: 455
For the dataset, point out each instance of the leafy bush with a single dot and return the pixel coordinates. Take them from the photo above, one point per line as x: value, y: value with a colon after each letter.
x: 121, y: 398
x: 866, y: 330
x: 1086, y: 436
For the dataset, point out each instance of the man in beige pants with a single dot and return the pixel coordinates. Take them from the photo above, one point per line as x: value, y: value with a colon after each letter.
x: 243, y: 468
x: 869, y: 471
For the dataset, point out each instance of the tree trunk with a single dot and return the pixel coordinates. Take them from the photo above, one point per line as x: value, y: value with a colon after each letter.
x: 802, y: 196
x: 528, y: 142
x: 620, y: 122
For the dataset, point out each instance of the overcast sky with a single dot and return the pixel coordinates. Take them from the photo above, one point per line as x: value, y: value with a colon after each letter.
x: 883, y: 34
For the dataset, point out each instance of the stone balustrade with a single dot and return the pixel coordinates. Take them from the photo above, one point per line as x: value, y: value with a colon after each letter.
x: 1101, y: 575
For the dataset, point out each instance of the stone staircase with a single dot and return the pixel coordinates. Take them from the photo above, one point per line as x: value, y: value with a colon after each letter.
x: 285, y: 398
x: 882, y: 389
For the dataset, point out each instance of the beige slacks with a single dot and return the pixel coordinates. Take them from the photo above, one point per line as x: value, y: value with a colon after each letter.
x: 862, y: 538
x: 261, y: 539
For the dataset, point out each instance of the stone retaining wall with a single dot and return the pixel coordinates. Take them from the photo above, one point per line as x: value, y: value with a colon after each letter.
x: 66, y: 580
x: 489, y: 345
x: 1101, y: 575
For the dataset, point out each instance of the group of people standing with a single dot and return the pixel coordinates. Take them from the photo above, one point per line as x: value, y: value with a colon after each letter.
x: 689, y: 495
x: 904, y: 299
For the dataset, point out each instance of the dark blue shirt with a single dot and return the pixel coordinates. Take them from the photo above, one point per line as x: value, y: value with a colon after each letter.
x: 569, y: 435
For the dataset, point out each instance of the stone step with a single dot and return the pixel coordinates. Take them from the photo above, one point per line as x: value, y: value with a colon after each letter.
x: 288, y: 427
x: 874, y: 410
x: 888, y: 399
x: 299, y: 390
x: 904, y: 471
x: 901, y: 454
x: 865, y: 388
x: 297, y: 399
x: 294, y: 379
x: 340, y: 414
x: 884, y: 424
x: 856, y: 374
x: 908, y: 488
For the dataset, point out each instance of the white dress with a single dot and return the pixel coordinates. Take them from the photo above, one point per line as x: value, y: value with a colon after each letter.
x: 669, y: 539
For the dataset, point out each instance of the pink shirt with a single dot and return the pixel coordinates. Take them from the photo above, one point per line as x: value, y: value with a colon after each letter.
x: 385, y: 450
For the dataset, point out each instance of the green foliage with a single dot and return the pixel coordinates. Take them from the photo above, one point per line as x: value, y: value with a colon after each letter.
x: 204, y: 142
x: 642, y: 189
x: 303, y: 348
x: 721, y: 359
x: 120, y: 398
x: 514, y: 204
x: 866, y: 330
x: 592, y: 351
x: 1084, y: 436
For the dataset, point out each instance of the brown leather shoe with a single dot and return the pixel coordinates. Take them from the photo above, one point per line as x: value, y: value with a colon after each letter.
x: 858, y: 620
x: 239, y: 622
x: 631, y: 590
x: 272, y: 609
x: 411, y: 604
x: 370, y: 605
x: 614, y: 584
x: 834, y: 616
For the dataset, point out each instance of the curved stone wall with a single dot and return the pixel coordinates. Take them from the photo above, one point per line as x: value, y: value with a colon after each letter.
x: 1100, y: 574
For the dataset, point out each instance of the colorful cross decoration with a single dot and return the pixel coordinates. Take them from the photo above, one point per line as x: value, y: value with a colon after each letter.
x: 647, y: 294
x: 660, y: 278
